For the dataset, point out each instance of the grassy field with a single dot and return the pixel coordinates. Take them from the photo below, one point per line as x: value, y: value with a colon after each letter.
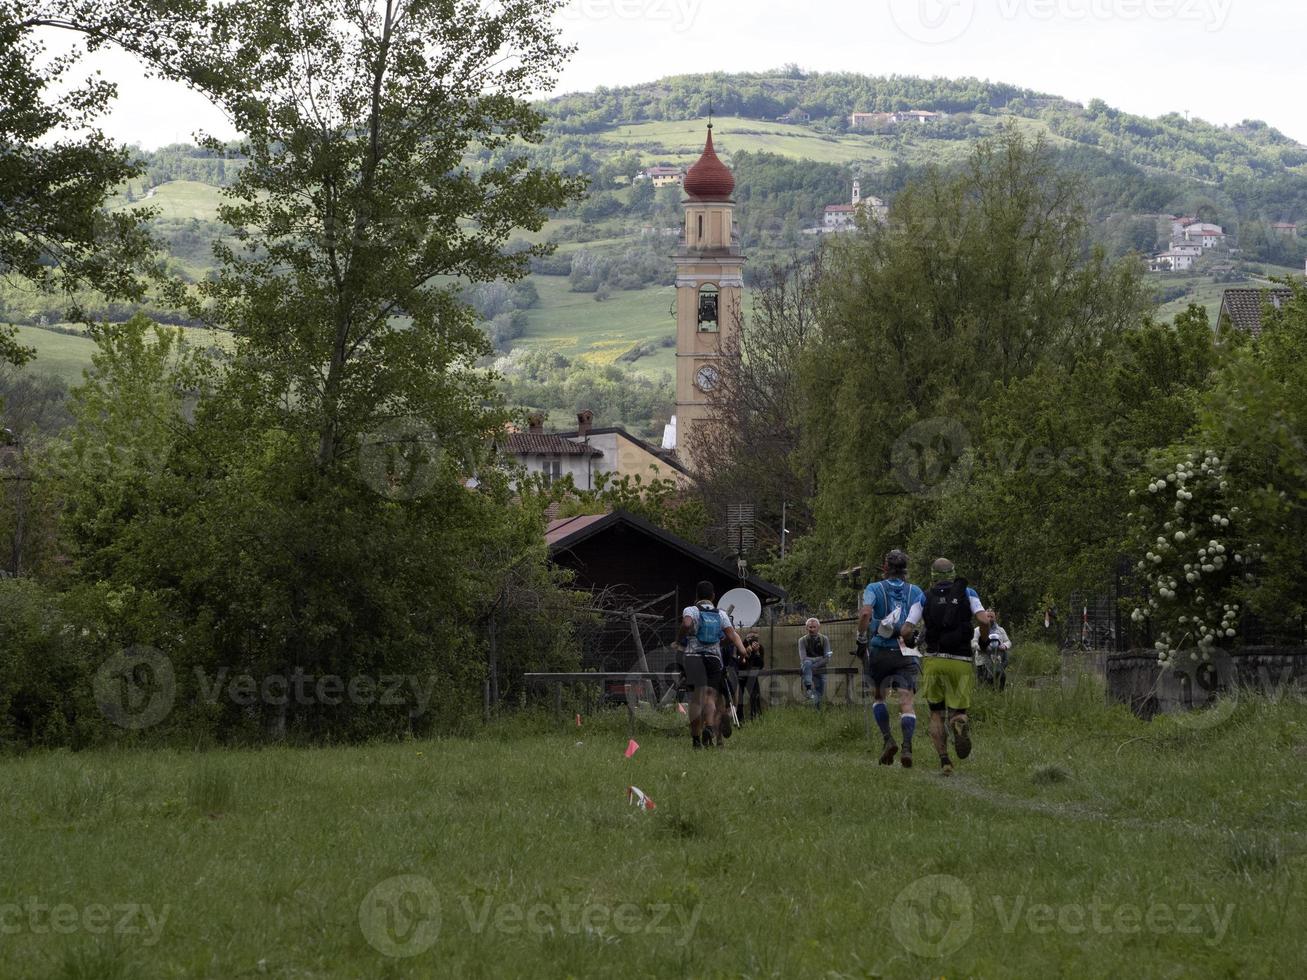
x: 1076, y: 841
x: 575, y: 324
x: 182, y: 199
x: 682, y: 141
x: 60, y: 354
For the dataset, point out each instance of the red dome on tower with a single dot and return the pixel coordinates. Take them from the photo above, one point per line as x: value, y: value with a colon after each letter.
x: 709, y: 179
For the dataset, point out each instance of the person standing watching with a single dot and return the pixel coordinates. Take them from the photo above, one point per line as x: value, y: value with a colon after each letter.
x: 991, y: 648
x: 753, y: 664
x: 889, y: 663
x: 814, y: 654
x: 949, y: 677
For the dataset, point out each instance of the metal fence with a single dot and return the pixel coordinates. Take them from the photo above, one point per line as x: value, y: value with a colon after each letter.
x: 781, y: 643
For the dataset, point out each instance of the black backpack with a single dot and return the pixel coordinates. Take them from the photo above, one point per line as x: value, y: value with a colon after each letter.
x: 948, y: 617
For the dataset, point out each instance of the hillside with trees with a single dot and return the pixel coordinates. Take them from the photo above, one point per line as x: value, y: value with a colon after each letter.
x: 789, y: 138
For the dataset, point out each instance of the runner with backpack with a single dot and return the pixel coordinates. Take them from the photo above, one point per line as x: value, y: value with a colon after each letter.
x: 890, y: 660
x: 949, y: 677
x: 703, y: 627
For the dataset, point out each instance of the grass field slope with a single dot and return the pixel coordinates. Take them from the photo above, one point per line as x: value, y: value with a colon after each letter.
x: 1076, y: 841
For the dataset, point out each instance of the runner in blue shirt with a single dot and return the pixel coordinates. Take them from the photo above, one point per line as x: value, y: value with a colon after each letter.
x: 889, y: 661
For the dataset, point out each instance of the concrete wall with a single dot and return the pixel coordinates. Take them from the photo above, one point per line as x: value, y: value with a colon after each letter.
x: 1135, y: 678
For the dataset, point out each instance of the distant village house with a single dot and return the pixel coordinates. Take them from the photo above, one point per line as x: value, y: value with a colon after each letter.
x: 663, y: 176
x: 587, y: 452
x: 878, y: 120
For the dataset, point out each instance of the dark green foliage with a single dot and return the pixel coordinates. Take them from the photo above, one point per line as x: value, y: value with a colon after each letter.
x: 300, y: 508
x: 980, y: 280
x: 549, y: 382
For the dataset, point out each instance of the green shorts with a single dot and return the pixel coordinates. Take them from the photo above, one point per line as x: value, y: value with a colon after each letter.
x: 948, y: 682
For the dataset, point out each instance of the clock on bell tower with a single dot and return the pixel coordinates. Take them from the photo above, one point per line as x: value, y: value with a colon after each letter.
x: 709, y: 284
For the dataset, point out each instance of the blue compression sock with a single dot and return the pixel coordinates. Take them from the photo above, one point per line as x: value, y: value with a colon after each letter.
x: 909, y: 723
x: 881, y: 713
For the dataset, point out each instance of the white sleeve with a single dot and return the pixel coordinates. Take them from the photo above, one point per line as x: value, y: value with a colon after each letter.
x: 976, y: 605
x: 915, y: 614
x: 692, y: 612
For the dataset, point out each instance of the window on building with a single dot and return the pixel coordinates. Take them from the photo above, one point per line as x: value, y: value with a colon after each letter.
x: 700, y: 227
x: 552, y: 470
x: 708, y: 308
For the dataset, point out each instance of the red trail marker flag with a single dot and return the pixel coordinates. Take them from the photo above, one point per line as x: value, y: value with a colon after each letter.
x: 635, y: 796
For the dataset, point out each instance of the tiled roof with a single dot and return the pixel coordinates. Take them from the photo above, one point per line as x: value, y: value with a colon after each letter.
x: 540, y: 444
x: 1244, y: 306
x: 565, y: 527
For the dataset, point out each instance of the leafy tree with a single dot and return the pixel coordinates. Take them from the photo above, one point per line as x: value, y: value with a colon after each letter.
x: 351, y: 400
x: 1040, y: 507
x: 353, y: 207
x: 57, y: 168
x: 978, y: 279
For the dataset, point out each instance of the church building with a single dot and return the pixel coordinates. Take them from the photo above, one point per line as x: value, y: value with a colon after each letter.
x: 709, y: 288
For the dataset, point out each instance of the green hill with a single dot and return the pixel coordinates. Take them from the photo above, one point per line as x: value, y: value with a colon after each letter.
x: 613, y: 244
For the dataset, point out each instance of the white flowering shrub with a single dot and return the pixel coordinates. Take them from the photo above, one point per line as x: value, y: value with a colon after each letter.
x: 1194, y: 561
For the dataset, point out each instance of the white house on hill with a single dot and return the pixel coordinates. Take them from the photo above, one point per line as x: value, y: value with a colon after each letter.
x: 844, y: 217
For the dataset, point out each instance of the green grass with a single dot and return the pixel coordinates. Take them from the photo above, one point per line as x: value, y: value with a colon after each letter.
x: 682, y: 141
x: 60, y: 354
x: 182, y: 199
x: 1076, y: 841
x: 576, y: 325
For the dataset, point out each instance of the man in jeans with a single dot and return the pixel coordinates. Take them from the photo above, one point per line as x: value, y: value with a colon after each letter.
x: 814, y: 654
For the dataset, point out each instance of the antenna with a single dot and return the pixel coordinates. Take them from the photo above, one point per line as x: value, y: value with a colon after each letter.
x: 710, y: 112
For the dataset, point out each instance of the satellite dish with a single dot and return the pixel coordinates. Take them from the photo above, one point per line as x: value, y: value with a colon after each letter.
x: 742, y: 606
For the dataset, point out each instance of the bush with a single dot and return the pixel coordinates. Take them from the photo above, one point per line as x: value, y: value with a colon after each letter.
x: 46, y: 669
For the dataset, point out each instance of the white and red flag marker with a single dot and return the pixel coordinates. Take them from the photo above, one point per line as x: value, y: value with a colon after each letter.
x: 632, y: 747
x: 635, y: 796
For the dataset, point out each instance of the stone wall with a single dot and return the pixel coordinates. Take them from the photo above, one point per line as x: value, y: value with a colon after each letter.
x: 1135, y: 678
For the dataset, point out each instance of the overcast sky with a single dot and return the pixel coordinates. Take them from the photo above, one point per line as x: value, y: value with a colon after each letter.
x: 1221, y: 60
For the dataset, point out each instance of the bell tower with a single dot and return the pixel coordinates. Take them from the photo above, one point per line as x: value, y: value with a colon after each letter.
x: 709, y: 287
